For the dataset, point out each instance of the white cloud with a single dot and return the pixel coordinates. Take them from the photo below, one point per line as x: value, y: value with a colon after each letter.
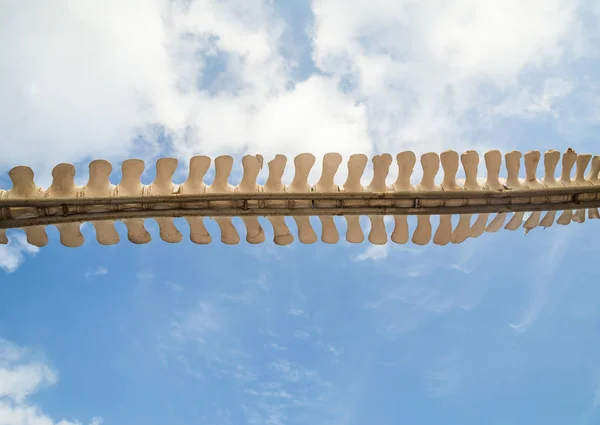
x: 422, y: 66
x: 83, y: 80
x: 100, y: 271
x: 15, y: 252
x: 373, y: 252
x: 22, y: 374
x: 530, y: 105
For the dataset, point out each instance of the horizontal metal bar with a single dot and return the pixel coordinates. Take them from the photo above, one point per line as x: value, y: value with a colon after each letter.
x: 289, y: 196
x: 276, y: 211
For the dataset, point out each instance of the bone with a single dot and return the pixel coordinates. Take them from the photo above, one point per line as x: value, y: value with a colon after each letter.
x: 276, y: 170
x: 331, y: 164
x: 443, y: 235
x: 422, y: 234
x: 326, y: 184
x: 594, y: 175
x: 497, y: 223
x: 106, y: 234
x: 548, y: 219
x: 532, y: 159
x: 306, y: 233
x: 493, y: 162
x: 163, y: 182
x: 565, y: 218
x: 303, y: 163
x: 513, y: 165
x: 551, y: 159
x: 252, y: 164
x: 568, y: 161
x: 63, y: 182
x: 431, y: 165
x: 23, y: 183
x: 194, y: 184
x: 198, y: 232
x: 36, y: 236
x: 70, y: 234
x: 63, y: 186
x: 356, y: 168
x: 449, y: 160
x: 406, y: 163
x: 400, y: 233
x: 463, y: 229
x: 580, y: 166
x: 131, y: 184
x: 330, y: 234
x: 377, y: 234
x: 99, y: 183
x: 254, y: 231
x: 515, y: 222
x: 354, y: 233
x: 579, y: 216
x: 167, y: 230
x: 223, y: 166
x: 470, y: 163
x: 479, y: 226
x: 381, y: 168
x: 282, y: 234
x: 163, y: 185
x: 532, y: 222
x: 136, y: 232
x: 229, y: 235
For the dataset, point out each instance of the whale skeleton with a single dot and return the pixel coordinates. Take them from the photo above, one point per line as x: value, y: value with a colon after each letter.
x: 481, y: 204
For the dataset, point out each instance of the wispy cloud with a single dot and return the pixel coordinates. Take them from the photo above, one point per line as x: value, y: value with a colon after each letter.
x: 176, y: 287
x: 332, y: 350
x: 277, y: 347
x: 295, y: 312
x: 444, y: 378
x: 100, y: 271
x: 193, y: 324
x: 542, y: 273
x: 145, y: 275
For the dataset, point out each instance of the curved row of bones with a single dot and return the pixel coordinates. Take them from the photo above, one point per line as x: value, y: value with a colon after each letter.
x: 63, y: 187
x: 468, y: 226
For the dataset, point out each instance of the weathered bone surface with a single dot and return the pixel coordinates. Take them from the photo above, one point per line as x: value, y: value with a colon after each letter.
x: 482, y: 203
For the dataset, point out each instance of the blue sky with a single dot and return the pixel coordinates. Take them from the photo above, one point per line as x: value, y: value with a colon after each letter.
x: 501, y: 329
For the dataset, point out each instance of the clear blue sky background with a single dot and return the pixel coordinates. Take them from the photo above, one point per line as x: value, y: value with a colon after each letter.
x: 502, y: 329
